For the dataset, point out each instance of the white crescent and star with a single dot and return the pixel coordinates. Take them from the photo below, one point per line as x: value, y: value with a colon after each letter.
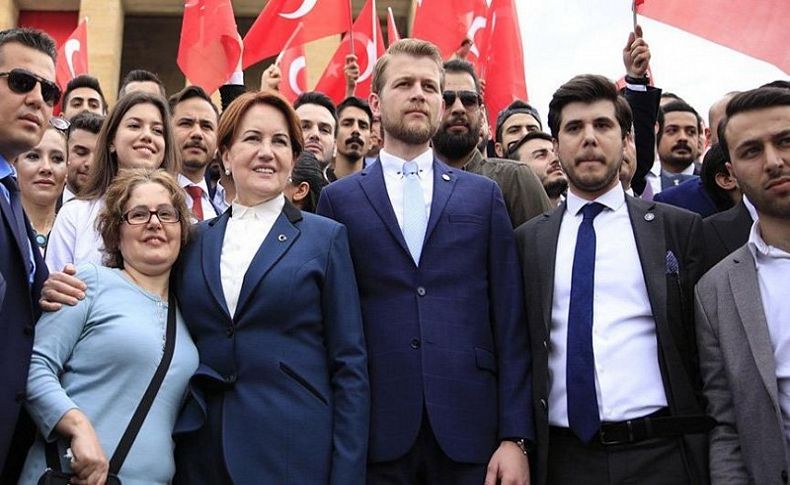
x: 293, y: 72
x: 72, y: 46
x: 477, y: 24
x: 304, y: 9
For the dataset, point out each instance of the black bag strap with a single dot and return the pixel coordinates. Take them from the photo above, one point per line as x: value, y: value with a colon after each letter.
x: 125, y: 444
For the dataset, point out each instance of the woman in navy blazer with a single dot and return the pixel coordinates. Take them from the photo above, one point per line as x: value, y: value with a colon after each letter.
x: 281, y: 394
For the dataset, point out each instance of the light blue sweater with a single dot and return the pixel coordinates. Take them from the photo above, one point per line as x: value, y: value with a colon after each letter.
x: 99, y: 356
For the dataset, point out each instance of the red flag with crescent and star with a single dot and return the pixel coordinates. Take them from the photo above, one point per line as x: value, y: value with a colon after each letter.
x: 73, y: 56
x: 293, y: 68
x: 368, y: 47
x: 210, y: 46
x: 447, y: 23
x: 273, y: 27
x: 392, y: 29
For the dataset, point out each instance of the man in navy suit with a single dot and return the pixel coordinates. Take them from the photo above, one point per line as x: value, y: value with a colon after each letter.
x: 437, y: 269
x: 27, y: 94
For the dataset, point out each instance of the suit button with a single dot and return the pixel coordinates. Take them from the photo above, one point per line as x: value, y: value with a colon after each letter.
x: 784, y: 476
x: 20, y: 396
x: 415, y: 343
x: 543, y: 404
x: 230, y: 378
x: 230, y: 331
x: 421, y: 291
x: 28, y: 330
x: 546, y: 345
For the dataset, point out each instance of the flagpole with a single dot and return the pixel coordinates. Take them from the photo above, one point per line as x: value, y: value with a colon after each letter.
x: 351, y: 27
x: 633, y: 11
x: 288, y: 43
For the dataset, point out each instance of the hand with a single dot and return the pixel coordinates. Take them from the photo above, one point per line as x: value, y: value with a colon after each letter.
x: 636, y: 54
x: 90, y: 464
x: 508, y: 466
x: 351, y: 70
x: 62, y: 288
x: 270, y: 79
x: 482, y: 87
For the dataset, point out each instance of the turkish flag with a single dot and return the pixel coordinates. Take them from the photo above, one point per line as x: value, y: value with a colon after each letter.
x: 73, y: 56
x: 757, y: 29
x: 273, y: 27
x: 209, y: 50
x: 392, y: 29
x: 501, y: 49
x: 447, y: 23
x: 293, y: 69
x: 368, y: 47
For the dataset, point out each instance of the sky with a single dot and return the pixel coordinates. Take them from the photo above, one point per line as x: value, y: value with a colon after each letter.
x: 563, y: 38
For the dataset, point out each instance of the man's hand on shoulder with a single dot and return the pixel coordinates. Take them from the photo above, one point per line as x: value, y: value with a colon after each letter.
x: 62, y: 288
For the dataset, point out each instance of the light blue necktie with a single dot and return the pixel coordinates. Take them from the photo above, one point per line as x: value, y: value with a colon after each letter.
x: 414, y: 218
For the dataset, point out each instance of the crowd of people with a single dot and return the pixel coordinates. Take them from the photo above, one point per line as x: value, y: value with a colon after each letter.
x: 379, y: 292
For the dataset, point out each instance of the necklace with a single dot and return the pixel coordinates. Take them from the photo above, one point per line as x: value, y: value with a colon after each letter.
x: 41, y: 239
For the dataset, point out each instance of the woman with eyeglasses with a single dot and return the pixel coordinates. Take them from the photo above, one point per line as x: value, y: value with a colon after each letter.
x: 92, y: 362
x: 306, y: 181
x: 136, y: 134
x: 41, y: 174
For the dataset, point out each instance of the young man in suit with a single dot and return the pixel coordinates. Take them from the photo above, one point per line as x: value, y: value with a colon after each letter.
x: 608, y: 282
x: 742, y: 305
x: 27, y: 94
x: 437, y: 270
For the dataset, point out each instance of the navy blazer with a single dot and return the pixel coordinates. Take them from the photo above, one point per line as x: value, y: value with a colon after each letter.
x: 447, y: 336
x: 18, y: 314
x: 281, y: 393
x: 689, y: 195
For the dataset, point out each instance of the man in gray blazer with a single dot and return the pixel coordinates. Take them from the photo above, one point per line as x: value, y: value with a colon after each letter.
x: 742, y: 304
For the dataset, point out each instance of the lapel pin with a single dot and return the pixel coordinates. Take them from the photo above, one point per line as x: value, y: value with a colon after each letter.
x: 445, y: 177
x: 649, y: 216
x: 282, y: 237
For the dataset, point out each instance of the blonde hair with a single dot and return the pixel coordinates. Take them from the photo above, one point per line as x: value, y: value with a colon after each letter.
x: 406, y: 47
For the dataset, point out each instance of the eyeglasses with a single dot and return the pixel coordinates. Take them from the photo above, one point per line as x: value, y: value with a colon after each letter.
x: 469, y: 99
x: 22, y: 81
x: 140, y: 215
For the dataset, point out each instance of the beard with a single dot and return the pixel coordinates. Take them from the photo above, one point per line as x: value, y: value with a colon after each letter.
x: 455, y: 146
x: 592, y: 182
x: 677, y: 161
x: 410, y: 133
x: 556, y: 188
x: 771, y: 206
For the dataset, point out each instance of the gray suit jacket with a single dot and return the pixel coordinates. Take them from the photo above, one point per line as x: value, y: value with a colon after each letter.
x: 739, y: 374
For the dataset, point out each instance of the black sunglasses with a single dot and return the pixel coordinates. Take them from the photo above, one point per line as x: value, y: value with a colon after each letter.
x: 21, y: 81
x: 468, y: 98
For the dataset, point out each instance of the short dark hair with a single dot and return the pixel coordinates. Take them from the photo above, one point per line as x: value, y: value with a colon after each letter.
x: 671, y: 96
x: 319, y: 98
x: 714, y: 163
x: 84, y: 81
x: 308, y: 169
x: 141, y: 75
x: 461, y: 66
x: 513, y: 108
x: 779, y: 83
x: 190, y: 92
x: 588, y: 88
x: 86, y: 121
x: 355, y: 102
x: 760, y: 98
x: 675, y: 107
x: 532, y: 135
x: 33, y: 38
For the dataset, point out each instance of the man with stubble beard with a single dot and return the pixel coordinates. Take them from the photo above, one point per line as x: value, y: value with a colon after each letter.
x: 354, y: 120
x: 536, y: 149
x: 455, y: 143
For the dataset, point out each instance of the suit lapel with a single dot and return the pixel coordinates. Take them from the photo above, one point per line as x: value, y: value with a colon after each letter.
x: 748, y: 301
x: 547, y: 238
x: 19, y: 237
x: 211, y: 251
x: 443, y: 185
x: 280, y: 238
x: 648, y: 227
x: 372, y: 183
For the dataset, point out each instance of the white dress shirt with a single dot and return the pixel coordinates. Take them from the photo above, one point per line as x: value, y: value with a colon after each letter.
x: 653, y: 177
x: 246, y: 230
x: 67, y: 195
x: 219, y: 198
x: 393, y: 180
x: 773, y: 276
x: 628, y: 380
x: 208, y: 210
x: 74, y: 238
x: 750, y: 207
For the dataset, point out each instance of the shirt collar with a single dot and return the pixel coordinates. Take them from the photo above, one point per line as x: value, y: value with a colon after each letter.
x: 5, y: 168
x: 759, y: 248
x: 613, y: 199
x: 750, y: 207
x: 393, y: 165
x: 185, y: 182
x: 261, y: 211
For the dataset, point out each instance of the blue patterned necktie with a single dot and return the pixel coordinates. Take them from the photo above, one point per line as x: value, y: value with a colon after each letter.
x: 18, y: 216
x: 414, y: 217
x: 583, y: 417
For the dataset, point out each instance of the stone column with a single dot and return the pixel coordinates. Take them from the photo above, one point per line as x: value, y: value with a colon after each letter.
x: 9, y: 13
x: 105, y: 42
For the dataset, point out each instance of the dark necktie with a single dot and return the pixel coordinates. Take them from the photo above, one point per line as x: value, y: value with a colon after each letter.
x: 196, y: 193
x: 583, y: 416
x: 18, y: 217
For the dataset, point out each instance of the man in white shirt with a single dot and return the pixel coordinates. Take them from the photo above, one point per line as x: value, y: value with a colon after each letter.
x: 608, y: 281
x: 195, y: 130
x: 677, y: 144
x: 742, y: 304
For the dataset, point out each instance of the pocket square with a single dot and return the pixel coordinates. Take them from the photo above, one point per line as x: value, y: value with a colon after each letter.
x: 672, y: 265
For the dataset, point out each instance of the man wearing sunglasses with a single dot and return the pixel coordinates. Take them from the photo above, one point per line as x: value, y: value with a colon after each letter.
x: 27, y: 95
x: 455, y: 143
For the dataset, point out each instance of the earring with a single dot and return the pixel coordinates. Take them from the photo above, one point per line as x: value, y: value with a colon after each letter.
x: 227, y: 171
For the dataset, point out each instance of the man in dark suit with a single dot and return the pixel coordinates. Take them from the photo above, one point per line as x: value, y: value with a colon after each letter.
x: 607, y: 283
x: 727, y: 231
x: 27, y: 95
x: 437, y: 270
